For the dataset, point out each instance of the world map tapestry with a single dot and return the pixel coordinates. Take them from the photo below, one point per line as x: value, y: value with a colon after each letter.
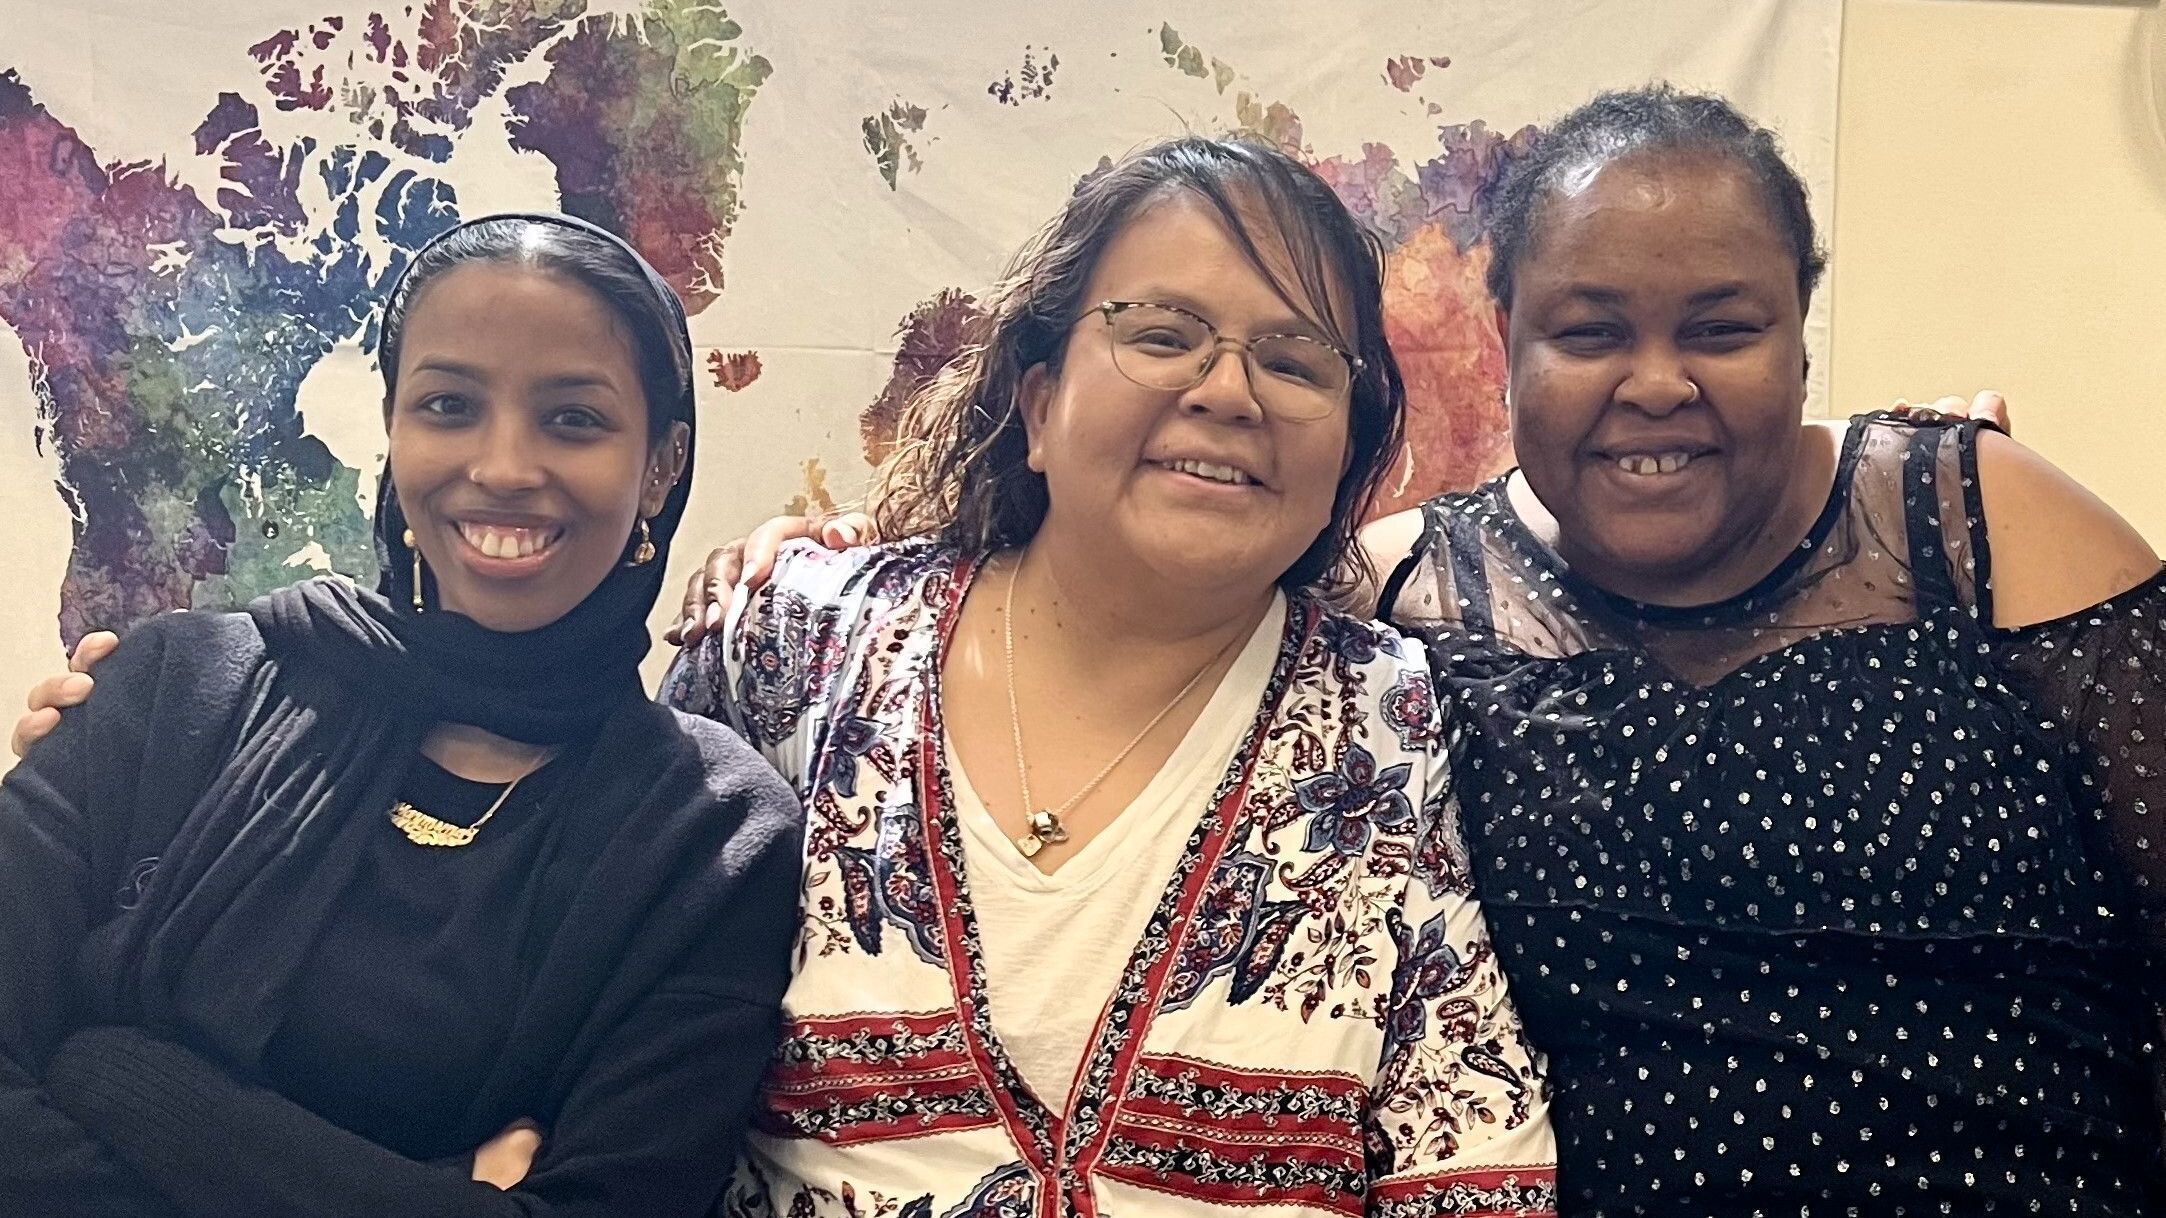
x: 200, y: 212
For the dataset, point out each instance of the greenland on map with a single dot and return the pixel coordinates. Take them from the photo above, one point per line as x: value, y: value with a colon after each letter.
x: 199, y: 214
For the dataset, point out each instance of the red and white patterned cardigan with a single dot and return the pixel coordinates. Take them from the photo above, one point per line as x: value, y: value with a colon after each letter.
x: 1313, y: 1023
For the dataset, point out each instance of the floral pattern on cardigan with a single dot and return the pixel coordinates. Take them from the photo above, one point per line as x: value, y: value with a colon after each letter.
x: 1313, y: 1020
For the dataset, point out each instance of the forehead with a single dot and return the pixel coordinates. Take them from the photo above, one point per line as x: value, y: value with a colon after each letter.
x: 497, y: 308
x: 1179, y: 248
x: 1655, y: 217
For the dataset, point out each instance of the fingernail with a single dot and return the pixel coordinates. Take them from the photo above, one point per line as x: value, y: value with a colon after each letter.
x: 77, y: 683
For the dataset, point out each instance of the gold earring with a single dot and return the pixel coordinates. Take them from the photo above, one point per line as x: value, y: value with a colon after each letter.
x: 409, y: 540
x: 643, y: 553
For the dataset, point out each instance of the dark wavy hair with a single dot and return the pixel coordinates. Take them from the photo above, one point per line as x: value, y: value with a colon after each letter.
x: 1653, y: 118
x: 960, y: 471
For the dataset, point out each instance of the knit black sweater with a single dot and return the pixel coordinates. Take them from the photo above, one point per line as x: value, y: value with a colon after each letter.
x: 641, y: 944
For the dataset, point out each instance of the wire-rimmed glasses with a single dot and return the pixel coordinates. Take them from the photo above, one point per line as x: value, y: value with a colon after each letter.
x: 1162, y: 346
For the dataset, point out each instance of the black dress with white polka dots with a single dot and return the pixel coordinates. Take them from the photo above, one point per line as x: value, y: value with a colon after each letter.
x: 1827, y: 899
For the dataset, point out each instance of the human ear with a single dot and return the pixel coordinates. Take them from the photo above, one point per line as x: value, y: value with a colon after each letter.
x: 665, y: 465
x: 1033, y: 399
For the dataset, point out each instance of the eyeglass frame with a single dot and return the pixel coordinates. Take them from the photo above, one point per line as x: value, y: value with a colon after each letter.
x: 1109, y: 309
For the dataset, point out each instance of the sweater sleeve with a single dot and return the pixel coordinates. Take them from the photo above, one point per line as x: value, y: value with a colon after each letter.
x: 771, y: 673
x: 650, y: 1126
x: 54, y: 827
x: 1459, y: 1110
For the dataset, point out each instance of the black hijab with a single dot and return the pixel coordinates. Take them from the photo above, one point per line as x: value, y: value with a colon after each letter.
x: 543, y: 686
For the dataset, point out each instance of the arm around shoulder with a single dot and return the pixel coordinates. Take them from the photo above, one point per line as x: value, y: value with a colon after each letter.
x: 2057, y: 548
x: 1389, y: 541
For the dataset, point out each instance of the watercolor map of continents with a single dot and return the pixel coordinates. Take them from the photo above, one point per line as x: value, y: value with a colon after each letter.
x: 172, y: 310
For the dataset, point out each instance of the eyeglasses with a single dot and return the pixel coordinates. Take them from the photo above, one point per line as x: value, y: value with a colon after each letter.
x: 1160, y: 346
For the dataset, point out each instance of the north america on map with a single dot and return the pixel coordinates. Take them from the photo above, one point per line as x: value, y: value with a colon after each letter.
x: 169, y: 328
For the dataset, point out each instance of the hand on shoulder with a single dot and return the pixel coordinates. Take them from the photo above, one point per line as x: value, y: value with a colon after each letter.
x: 2057, y: 549
x: 1387, y: 540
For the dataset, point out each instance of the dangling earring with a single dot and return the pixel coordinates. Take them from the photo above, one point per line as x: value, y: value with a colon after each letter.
x: 643, y: 553
x: 409, y: 540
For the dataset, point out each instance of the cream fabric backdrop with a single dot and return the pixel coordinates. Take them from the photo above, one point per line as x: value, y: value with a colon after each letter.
x: 198, y: 209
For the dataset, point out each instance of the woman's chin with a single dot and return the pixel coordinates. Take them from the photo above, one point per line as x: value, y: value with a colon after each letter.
x: 1655, y: 565
x: 516, y: 596
x: 1216, y: 568
x: 508, y: 611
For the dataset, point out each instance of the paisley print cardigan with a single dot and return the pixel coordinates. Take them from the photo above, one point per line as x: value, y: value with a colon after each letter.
x: 1313, y: 1023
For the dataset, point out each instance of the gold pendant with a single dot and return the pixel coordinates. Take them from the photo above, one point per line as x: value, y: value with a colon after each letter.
x: 1045, y: 830
x: 423, y: 829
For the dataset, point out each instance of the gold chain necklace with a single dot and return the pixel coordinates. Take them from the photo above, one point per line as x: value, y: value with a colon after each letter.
x: 423, y: 829
x: 1045, y: 823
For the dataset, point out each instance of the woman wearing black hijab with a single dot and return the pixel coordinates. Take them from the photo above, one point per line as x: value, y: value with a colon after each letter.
x: 311, y: 900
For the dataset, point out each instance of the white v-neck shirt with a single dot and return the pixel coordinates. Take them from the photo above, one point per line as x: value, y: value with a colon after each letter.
x: 1054, y: 945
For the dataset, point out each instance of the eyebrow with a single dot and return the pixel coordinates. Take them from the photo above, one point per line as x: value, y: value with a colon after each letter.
x: 566, y: 380
x: 1292, y: 323
x: 1714, y: 295
x: 1614, y: 298
x: 449, y: 368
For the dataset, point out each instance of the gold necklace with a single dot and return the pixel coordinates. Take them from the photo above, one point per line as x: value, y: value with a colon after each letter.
x: 423, y: 829
x: 1045, y: 824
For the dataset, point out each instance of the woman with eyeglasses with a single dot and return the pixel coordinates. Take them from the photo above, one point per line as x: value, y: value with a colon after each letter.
x: 1133, y: 879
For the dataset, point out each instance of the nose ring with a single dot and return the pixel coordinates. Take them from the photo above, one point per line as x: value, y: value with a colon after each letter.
x: 1694, y: 386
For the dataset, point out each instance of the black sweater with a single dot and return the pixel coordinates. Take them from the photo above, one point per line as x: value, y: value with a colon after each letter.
x: 651, y: 959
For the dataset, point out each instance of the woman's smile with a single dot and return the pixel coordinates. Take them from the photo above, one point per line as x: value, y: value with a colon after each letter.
x: 1656, y: 470
x: 1212, y: 484
x: 500, y: 550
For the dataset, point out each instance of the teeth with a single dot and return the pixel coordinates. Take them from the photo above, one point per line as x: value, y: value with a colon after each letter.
x: 1647, y: 464
x: 498, y: 542
x: 1216, y: 473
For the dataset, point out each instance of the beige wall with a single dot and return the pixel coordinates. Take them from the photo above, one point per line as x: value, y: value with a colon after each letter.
x: 2000, y: 222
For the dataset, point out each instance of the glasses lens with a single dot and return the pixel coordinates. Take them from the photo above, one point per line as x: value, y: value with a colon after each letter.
x: 1159, y: 348
x: 1299, y: 376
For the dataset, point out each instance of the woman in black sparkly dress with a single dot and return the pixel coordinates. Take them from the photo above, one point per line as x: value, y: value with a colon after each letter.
x: 1812, y: 768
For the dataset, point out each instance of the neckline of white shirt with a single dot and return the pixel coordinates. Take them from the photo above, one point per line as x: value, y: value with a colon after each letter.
x: 1210, y: 742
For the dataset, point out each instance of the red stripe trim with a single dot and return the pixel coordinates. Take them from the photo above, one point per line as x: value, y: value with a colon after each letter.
x: 1348, y: 1092
x: 1220, y: 1194
x: 1037, y: 1154
x: 774, y: 1125
x: 870, y: 1080
x: 1483, y: 1179
x: 1231, y: 827
x: 875, y: 1022
x: 1308, y: 1146
x: 833, y: 1081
